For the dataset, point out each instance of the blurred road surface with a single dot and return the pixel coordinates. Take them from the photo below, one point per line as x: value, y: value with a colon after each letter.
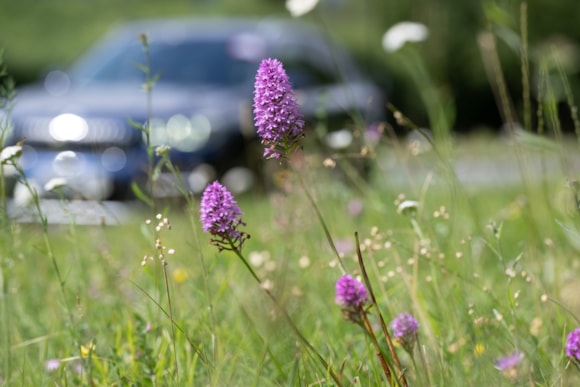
x: 76, y: 211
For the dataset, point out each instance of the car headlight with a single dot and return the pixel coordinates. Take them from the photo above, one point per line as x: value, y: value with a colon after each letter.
x: 68, y: 127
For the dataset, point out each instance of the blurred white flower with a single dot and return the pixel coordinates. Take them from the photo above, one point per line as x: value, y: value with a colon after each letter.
x: 258, y: 258
x: 162, y: 150
x: 408, y: 207
x: 298, y: 8
x: 54, y: 184
x: 404, y: 32
x: 10, y: 153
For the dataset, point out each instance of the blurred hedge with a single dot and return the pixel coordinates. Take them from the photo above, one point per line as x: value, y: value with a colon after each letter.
x: 41, y: 34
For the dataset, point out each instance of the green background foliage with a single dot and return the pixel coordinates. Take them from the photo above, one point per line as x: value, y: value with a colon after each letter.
x: 42, y: 35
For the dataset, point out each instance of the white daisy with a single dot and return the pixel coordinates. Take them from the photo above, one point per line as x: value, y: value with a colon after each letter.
x: 404, y: 32
x: 298, y: 8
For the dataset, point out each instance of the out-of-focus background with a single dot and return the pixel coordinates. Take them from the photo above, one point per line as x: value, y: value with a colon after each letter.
x: 40, y: 35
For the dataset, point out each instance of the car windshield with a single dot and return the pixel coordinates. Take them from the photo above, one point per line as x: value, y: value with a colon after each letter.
x: 191, y: 63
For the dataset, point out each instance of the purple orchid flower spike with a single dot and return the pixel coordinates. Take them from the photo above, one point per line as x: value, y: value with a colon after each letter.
x: 221, y: 217
x: 276, y: 113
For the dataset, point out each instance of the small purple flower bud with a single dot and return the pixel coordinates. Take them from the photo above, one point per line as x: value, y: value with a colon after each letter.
x: 405, y: 328
x: 276, y: 113
x: 373, y: 133
x: 344, y: 246
x: 573, y: 345
x: 355, y: 207
x: 509, y: 364
x: 52, y: 365
x: 221, y: 217
x: 350, y: 292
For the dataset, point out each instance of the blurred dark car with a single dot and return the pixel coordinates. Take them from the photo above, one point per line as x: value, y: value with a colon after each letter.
x: 80, y: 124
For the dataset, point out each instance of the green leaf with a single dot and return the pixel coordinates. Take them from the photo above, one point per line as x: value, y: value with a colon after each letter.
x: 574, y: 234
x: 157, y: 170
x: 136, y: 125
x: 139, y: 194
x: 496, y: 14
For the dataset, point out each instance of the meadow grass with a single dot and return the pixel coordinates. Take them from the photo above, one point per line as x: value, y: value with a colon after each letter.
x: 478, y: 293
x: 487, y: 266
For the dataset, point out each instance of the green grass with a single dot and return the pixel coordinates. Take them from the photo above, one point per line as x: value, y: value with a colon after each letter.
x: 487, y: 266
x: 454, y: 281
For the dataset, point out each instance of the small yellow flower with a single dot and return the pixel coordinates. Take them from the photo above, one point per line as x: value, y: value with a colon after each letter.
x: 478, y: 350
x: 88, y: 349
x: 179, y: 275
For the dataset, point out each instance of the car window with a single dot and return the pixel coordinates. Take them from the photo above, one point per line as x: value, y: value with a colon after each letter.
x: 192, y: 63
x: 304, y: 74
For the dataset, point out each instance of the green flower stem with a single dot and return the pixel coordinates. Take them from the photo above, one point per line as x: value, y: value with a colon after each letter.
x: 44, y: 224
x: 148, y: 87
x: 423, y: 360
x: 191, y: 205
x: 367, y: 281
x: 150, y: 81
x: 47, y: 244
x: 417, y: 229
x: 3, y: 207
x: 4, y: 275
x: 293, y: 326
x: 369, y: 329
x: 4, y: 297
x: 322, y: 222
x: 170, y: 307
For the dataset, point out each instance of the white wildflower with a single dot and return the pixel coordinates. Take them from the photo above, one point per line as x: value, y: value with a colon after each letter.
x: 54, y: 184
x: 404, y: 32
x: 162, y: 150
x: 10, y: 153
x: 407, y: 207
x: 298, y: 8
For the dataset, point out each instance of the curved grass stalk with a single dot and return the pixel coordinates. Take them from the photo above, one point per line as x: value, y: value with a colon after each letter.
x: 6, y: 104
x: 321, y: 220
x: 401, y: 374
x: 201, y: 355
x: 287, y: 317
